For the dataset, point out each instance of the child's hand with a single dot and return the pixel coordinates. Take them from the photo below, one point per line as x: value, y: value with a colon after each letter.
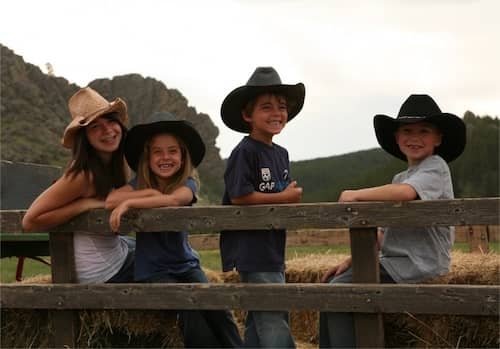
x: 348, y: 196
x: 293, y: 193
x: 116, y: 215
x: 337, y: 270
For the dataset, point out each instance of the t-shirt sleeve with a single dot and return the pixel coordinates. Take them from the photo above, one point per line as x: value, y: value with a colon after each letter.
x: 191, y: 184
x: 429, y: 180
x: 238, y: 177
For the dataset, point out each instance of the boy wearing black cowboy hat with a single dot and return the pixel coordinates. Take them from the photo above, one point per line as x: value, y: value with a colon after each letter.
x: 258, y: 172
x: 427, y: 139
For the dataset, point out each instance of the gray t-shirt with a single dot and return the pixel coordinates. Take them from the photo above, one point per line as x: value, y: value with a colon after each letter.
x: 411, y: 255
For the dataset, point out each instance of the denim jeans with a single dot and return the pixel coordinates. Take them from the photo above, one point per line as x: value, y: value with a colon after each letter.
x: 266, y: 329
x: 202, y: 328
x: 126, y: 272
x: 336, y: 330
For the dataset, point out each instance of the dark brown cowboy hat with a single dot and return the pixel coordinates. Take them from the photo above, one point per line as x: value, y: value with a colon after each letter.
x: 160, y: 122
x: 422, y: 108
x: 263, y: 80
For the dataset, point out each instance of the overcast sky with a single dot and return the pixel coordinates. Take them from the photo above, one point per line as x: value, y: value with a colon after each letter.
x: 356, y: 58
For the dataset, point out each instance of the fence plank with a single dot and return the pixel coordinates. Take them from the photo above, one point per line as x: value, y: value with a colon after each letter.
x: 63, y: 271
x: 292, y: 216
x: 369, y: 328
x: 478, y: 239
x: 357, y: 298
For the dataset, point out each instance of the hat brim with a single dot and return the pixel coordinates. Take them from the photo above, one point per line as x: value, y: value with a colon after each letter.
x: 139, y: 134
x: 237, y: 99
x: 451, y: 126
x: 117, y: 106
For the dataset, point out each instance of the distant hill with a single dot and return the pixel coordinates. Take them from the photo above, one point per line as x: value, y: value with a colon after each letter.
x: 34, y: 113
x: 475, y: 173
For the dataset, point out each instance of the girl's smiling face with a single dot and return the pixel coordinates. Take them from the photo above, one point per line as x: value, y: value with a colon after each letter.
x: 417, y: 141
x: 165, y: 156
x: 104, y: 135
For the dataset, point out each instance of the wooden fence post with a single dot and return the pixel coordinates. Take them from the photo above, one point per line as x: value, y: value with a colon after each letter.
x: 478, y: 238
x: 369, y: 328
x: 63, y: 271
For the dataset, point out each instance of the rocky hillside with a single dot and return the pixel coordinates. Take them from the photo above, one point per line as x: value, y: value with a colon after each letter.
x: 34, y: 113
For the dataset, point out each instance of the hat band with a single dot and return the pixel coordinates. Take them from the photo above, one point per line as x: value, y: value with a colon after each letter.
x: 412, y: 117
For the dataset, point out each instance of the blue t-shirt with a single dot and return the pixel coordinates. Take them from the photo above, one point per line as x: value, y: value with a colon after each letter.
x: 254, y: 166
x: 164, y: 252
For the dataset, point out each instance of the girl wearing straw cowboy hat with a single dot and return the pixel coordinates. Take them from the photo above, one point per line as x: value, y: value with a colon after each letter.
x: 96, y: 137
x: 164, y: 153
x: 426, y: 139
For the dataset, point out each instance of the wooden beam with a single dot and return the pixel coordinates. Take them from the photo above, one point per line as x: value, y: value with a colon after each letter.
x: 324, y: 215
x: 478, y: 239
x: 357, y: 298
x: 63, y: 271
x: 369, y: 327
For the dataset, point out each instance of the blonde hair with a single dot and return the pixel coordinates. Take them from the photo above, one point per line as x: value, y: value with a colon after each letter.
x: 147, y: 179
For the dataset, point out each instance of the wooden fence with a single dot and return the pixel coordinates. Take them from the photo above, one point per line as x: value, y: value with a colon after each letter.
x: 365, y: 297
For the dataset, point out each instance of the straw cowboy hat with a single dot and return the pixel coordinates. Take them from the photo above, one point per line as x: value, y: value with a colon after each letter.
x: 160, y: 122
x: 422, y: 108
x: 263, y: 79
x: 85, y: 106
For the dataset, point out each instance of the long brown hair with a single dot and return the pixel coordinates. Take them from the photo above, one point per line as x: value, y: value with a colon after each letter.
x: 104, y: 176
x: 147, y: 179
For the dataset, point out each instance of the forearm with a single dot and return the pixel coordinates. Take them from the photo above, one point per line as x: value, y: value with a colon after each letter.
x: 388, y: 192
x: 163, y: 200
x: 257, y: 198
x: 43, y: 221
x: 118, y: 196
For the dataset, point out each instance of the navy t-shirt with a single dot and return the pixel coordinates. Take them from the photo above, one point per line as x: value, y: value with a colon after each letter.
x: 254, y: 166
x: 164, y: 252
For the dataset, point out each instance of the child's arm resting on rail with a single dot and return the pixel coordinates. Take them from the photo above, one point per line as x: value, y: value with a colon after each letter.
x: 127, y: 192
x: 388, y: 192
x: 59, y: 203
x: 180, y: 197
x: 290, y: 195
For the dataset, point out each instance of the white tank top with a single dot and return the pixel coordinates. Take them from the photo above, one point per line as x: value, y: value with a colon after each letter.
x: 98, y: 256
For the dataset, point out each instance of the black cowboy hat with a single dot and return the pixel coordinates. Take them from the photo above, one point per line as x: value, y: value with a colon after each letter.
x: 263, y: 79
x: 422, y: 108
x: 160, y: 122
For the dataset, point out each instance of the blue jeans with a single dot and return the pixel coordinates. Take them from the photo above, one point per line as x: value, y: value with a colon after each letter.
x: 126, y: 272
x: 202, y: 328
x: 266, y: 329
x: 336, y: 330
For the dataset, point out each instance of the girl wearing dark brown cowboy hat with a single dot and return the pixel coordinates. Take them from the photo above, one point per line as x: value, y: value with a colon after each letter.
x: 164, y: 153
x: 96, y: 137
x: 258, y: 172
x: 426, y: 139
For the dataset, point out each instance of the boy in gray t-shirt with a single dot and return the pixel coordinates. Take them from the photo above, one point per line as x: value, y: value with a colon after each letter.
x: 426, y: 139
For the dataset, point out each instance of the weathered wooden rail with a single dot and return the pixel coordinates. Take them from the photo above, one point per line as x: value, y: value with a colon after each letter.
x: 366, y: 298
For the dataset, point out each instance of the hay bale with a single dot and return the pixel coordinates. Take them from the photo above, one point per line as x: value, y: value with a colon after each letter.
x: 408, y: 330
x: 98, y: 328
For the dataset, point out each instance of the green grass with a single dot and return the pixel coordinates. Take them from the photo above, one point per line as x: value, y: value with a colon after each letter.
x: 209, y: 259
x: 31, y: 268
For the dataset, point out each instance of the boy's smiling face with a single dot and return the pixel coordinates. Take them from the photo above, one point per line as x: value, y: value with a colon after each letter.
x: 417, y: 141
x: 268, y: 118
